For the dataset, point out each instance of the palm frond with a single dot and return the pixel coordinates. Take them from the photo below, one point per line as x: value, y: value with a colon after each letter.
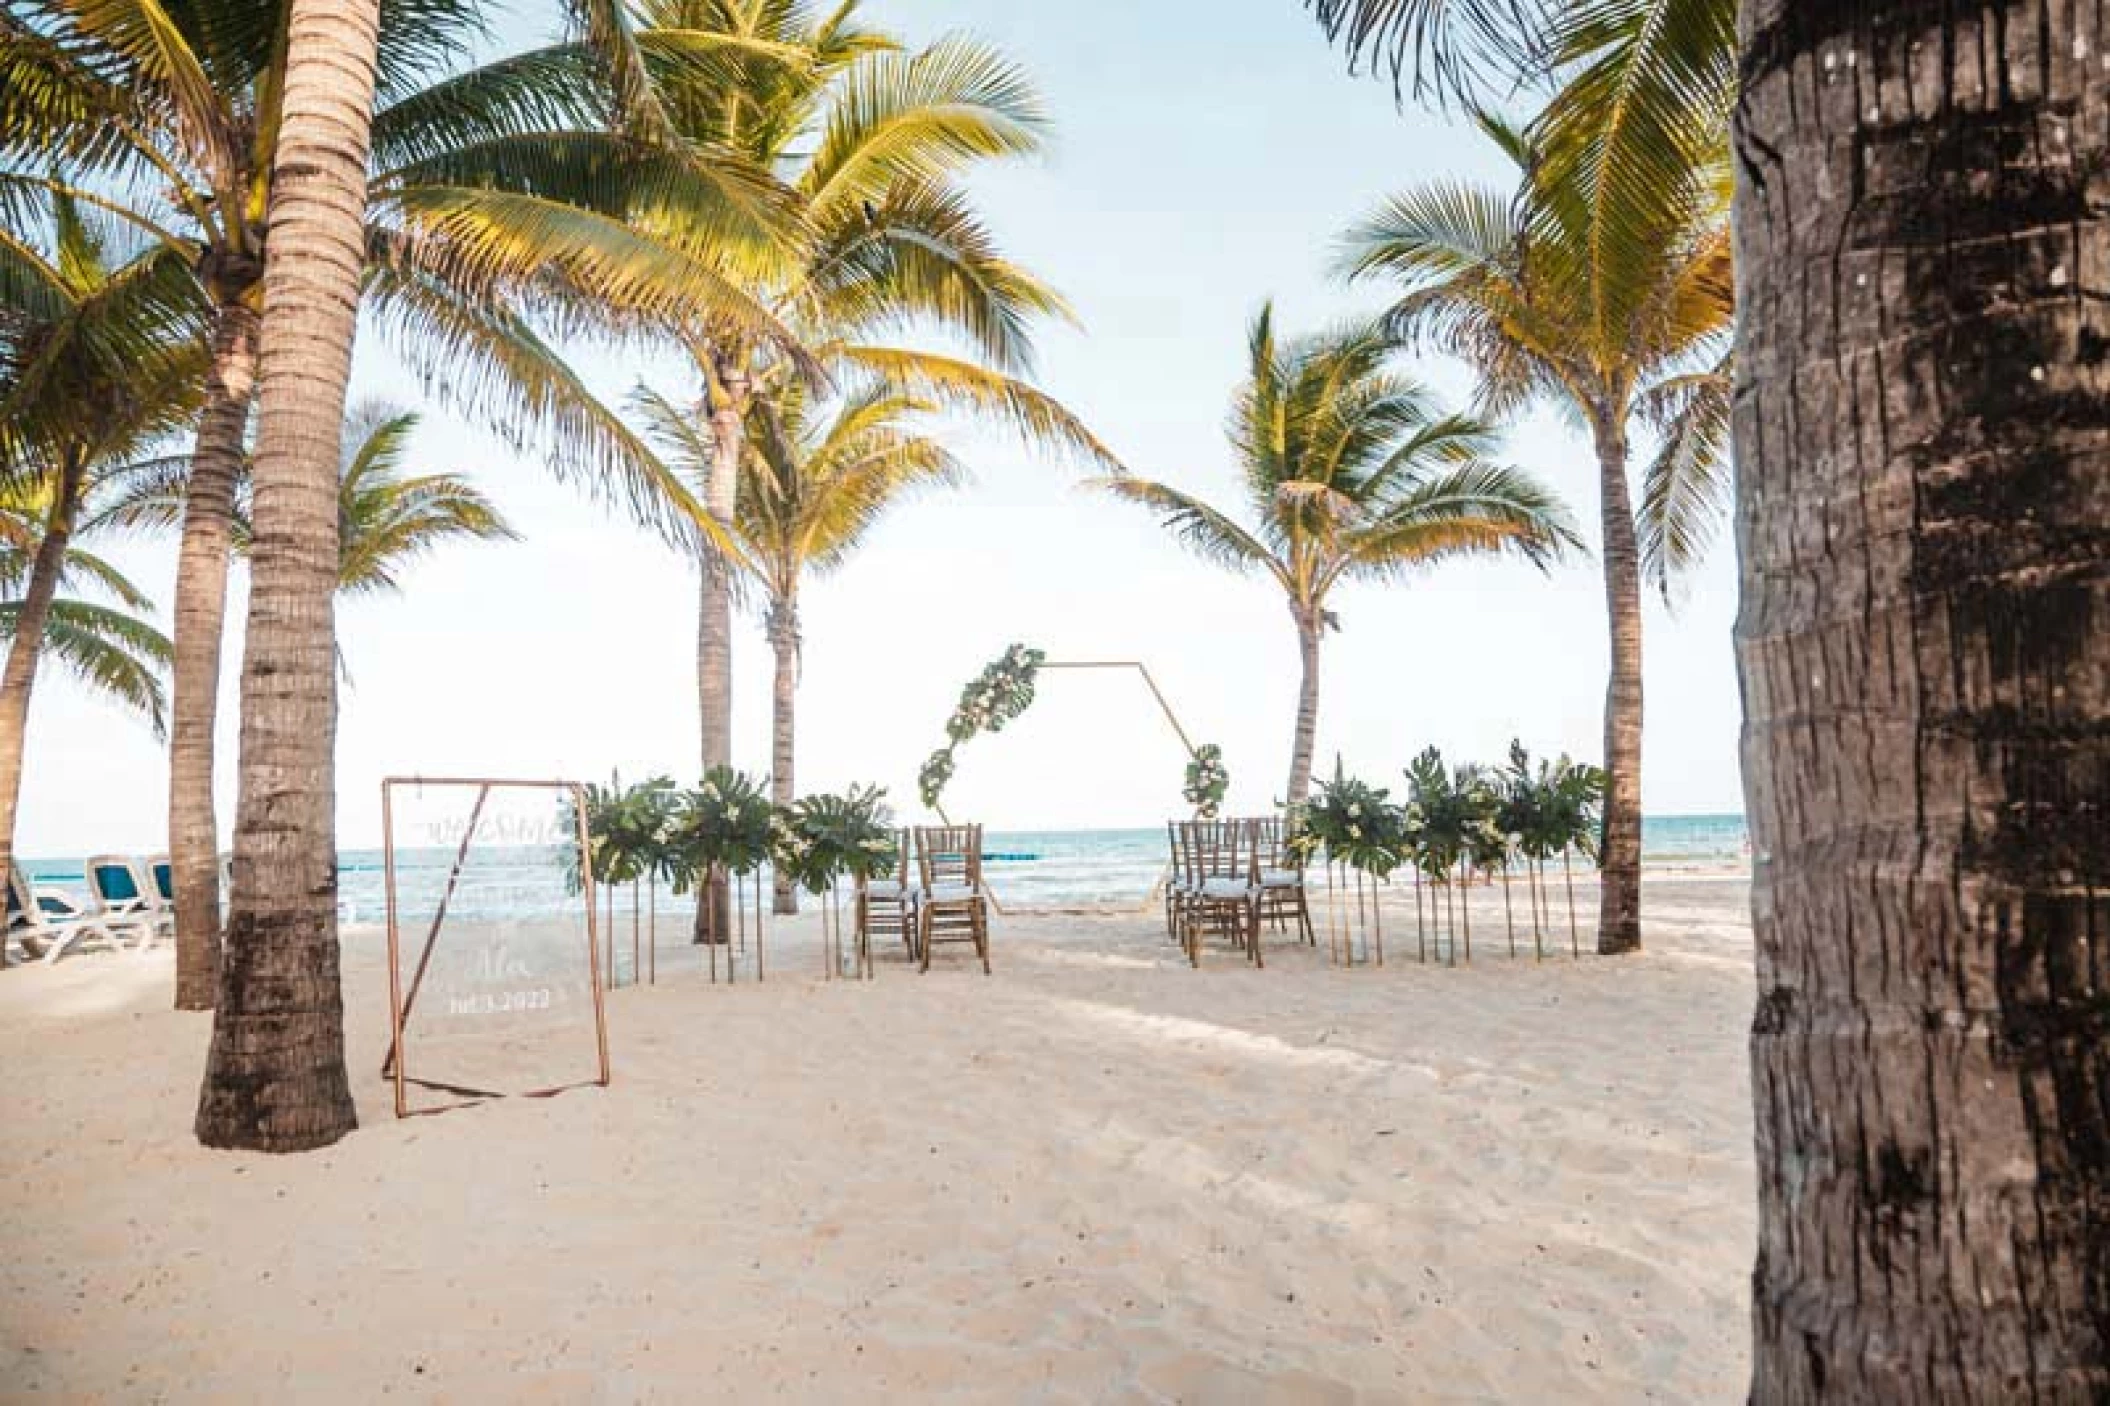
x: 1685, y: 488
x: 112, y: 653
x: 1040, y: 421
x: 1472, y: 509
x: 1202, y: 529
x: 920, y: 118
x: 490, y: 364
x: 1448, y: 50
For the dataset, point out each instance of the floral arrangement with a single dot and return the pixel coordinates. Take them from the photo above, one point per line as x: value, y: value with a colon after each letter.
x: 826, y: 838
x: 989, y: 703
x: 936, y: 774
x: 727, y: 821
x: 1208, y: 781
x: 1354, y: 823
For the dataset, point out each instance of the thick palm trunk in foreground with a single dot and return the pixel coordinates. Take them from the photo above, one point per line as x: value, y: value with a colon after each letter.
x: 20, y: 677
x: 1619, y: 858
x: 275, y: 1077
x: 1922, y: 434
x: 1309, y: 624
x: 201, y: 626
x: 784, y: 643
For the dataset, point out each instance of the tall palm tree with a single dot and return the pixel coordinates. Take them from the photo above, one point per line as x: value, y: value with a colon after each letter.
x: 816, y: 479
x: 872, y: 140
x: 490, y: 200
x: 1350, y: 473
x: 274, y: 1075
x: 1544, y: 302
x: 99, y: 345
x: 1923, y: 443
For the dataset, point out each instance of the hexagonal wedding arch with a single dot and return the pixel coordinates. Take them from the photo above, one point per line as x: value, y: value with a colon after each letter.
x: 1008, y: 687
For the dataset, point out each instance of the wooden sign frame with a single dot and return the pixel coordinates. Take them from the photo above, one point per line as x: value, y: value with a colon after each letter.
x: 394, y: 1065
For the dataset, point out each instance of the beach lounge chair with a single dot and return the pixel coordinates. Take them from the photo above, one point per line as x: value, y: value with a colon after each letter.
x: 1280, y: 877
x: 120, y: 889
x: 888, y: 904
x: 45, y: 923
x: 953, y: 906
x: 1223, y: 896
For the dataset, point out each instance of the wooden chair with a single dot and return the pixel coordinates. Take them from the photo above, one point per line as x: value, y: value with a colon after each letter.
x: 1222, y: 896
x: 1178, y: 883
x: 953, y: 906
x: 1280, y: 878
x: 888, y: 905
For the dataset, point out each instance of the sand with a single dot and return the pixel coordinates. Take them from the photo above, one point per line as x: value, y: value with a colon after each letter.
x: 1096, y: 1176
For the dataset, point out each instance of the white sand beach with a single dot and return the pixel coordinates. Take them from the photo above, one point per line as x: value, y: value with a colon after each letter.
x: 1094, y: 1176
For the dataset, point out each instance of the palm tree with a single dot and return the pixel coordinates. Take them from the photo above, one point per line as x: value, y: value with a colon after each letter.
x: 1546, y: 303
x: 274, y: 1074
x: 98, y: 353
x: 489, y: 202
x: 816, y: 479
x: 871, y: 140
x: 1350, y: 474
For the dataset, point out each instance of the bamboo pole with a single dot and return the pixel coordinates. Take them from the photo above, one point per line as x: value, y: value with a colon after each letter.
x: 1465, y: 904
x: 1509, y: 921
x: 1377, y: 911
x: 1421, y: 943
x: 1574, y: 935
x: 1538, y: 936
x: 652, y: 933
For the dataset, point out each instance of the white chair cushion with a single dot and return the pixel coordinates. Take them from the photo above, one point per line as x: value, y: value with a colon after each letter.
x: 1226, y: 888
x: 889, y: 890
x: 952, y: 893
x: 1280, y: 879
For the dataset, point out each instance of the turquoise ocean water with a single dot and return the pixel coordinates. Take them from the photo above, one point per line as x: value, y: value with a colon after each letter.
x: 1028, y: 868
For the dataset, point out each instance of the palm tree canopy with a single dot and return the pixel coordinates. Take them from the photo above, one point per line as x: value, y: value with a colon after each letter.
x: 101, y: 341
x: 817, y: 475
x: 898, y: 277
x: 1351, y: 472
x: 1517, y: 284
x: 500, y: 203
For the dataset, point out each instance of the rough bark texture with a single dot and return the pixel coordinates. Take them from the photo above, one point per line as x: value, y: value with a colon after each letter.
x: 784, y: 643
x: 20, y: 675
x: 275, y: 1076
x: 1923, y: 441
x: 201, y: 627
x: 1309, y: 624
x: 1619, y: 858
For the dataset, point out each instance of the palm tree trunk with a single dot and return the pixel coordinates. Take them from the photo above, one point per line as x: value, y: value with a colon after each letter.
x: 1308, y: 626
x: 1920, y: 435
x: 1619, y: 923
x: 731, y: 390
x: 200, y: 614
x: 274, y: 1076
x: 784, y: 641
x: 20, y: 675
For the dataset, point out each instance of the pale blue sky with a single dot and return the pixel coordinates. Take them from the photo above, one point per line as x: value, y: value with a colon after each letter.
x: 1206, y: 156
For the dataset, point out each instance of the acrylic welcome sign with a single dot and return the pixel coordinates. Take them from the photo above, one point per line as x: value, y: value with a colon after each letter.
x: 495, y: 981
